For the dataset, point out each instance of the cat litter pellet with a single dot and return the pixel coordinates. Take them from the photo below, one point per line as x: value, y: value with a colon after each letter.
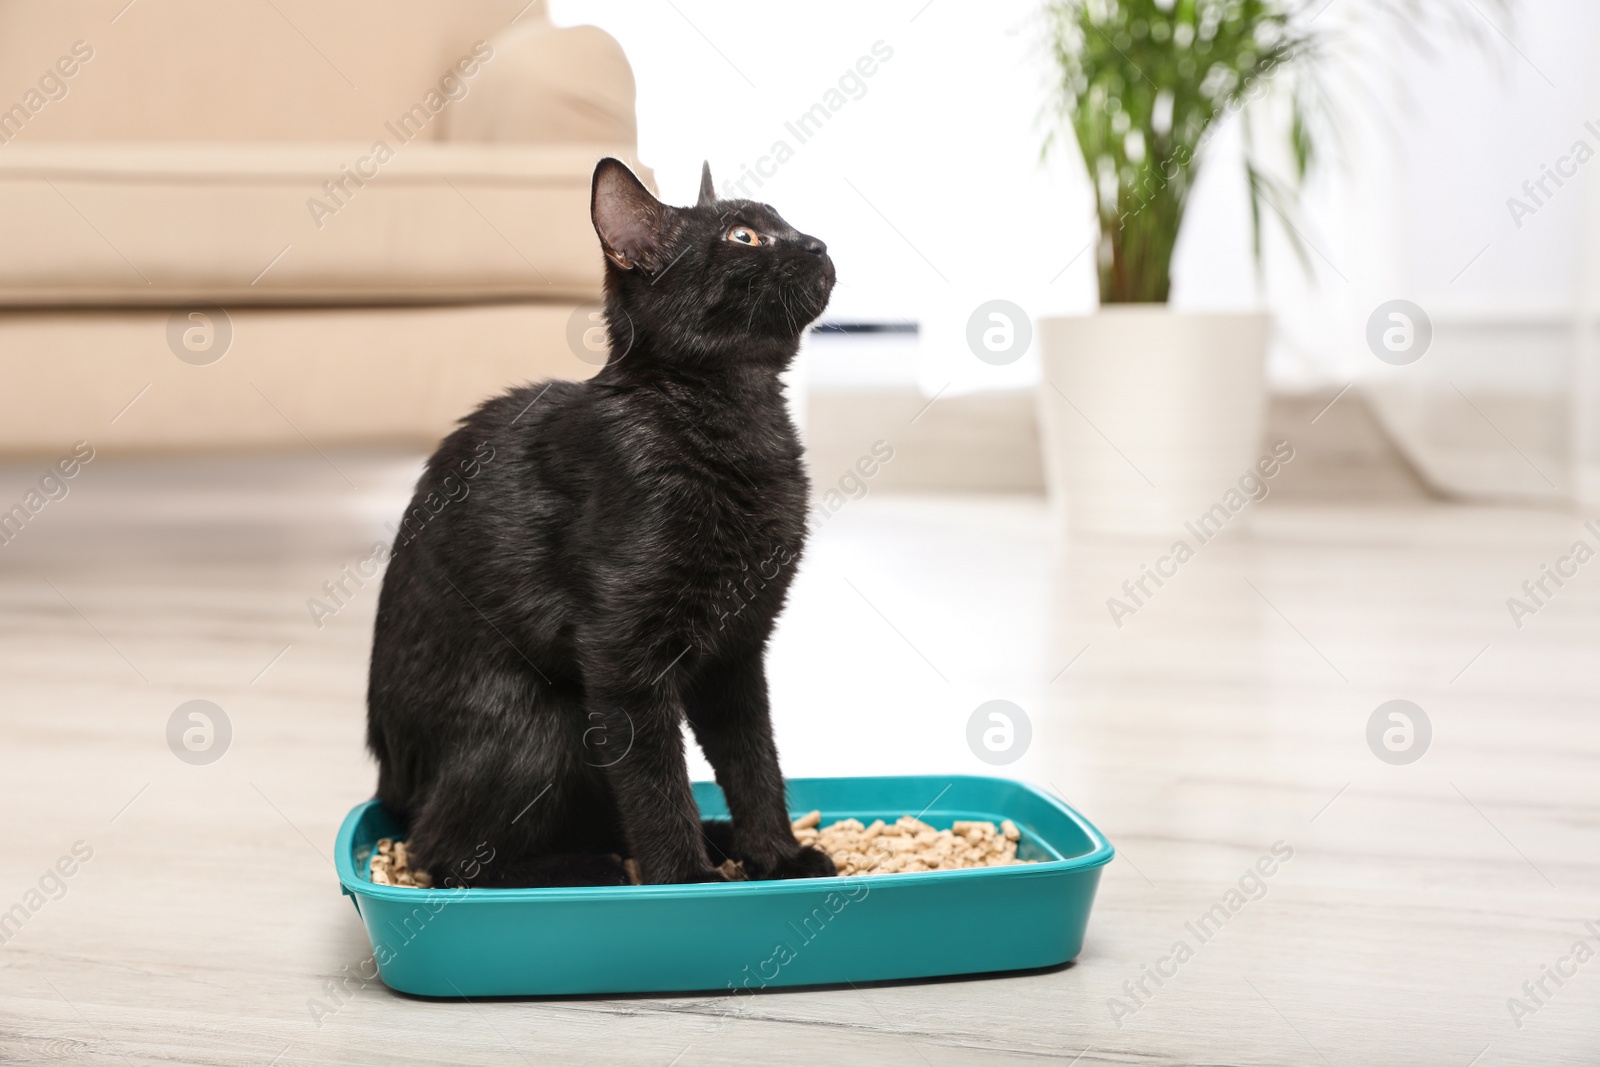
x: 909, y: 844
x: 391, y: 866
x: 905, y: 845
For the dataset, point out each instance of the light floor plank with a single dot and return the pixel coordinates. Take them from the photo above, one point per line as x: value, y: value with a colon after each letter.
x: 1227, y: 714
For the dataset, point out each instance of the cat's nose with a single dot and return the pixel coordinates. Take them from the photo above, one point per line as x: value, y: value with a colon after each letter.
x: 812, y: 245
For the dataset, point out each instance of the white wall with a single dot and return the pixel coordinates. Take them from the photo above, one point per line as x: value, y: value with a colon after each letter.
x: 930, y: 191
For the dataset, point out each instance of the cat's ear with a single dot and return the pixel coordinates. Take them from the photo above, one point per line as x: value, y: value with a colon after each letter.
x: 708, y: 191
x: 632, y: 224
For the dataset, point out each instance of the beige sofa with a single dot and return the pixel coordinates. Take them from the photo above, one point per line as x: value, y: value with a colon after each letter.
x: 322, y: 221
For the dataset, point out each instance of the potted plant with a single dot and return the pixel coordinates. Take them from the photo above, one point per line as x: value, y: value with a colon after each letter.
x: 1149, y: 415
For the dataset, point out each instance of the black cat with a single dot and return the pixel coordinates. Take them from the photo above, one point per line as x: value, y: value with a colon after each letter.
x: 587, y: 565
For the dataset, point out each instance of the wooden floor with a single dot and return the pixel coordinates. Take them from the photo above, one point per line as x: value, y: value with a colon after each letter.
x: 1228, y: 714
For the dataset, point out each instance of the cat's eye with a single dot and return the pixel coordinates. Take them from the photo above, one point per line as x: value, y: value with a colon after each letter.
x: 744, y: 235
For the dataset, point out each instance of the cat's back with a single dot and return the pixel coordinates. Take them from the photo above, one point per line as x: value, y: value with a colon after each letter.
x: 550, y: 485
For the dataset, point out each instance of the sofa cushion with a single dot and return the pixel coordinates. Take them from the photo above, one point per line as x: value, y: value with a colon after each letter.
x: 298, y: 223
x: 199, y: 70
x: 547, y: 84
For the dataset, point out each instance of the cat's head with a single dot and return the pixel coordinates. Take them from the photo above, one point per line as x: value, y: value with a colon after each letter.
x: 724, y: 279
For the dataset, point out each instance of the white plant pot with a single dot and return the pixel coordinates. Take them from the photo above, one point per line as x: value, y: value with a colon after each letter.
x: 1149, y: 416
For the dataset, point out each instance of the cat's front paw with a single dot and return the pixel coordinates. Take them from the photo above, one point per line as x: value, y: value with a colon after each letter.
x: 804, y: 862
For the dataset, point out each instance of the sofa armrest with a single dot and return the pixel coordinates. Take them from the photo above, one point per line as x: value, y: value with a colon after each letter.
x: 547, y: 83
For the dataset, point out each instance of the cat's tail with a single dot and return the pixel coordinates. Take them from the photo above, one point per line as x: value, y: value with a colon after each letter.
x: 576, y: 868
x: 546, y: 872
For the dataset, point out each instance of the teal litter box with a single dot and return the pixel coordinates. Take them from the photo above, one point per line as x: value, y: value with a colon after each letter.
x: 749, y: 935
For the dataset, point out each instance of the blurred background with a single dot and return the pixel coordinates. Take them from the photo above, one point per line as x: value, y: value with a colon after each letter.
x: 930, y: 174
x: 258, y: 257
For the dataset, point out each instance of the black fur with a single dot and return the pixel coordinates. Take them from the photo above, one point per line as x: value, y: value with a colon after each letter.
x: 585, y: 566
